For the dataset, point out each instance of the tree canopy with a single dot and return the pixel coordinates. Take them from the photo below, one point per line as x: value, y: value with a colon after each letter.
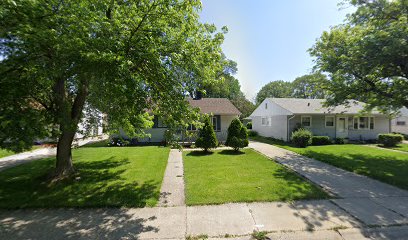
x: 367, y: 56
x: 275, y: 89
x: 120, y: 57
x: 310, y: 86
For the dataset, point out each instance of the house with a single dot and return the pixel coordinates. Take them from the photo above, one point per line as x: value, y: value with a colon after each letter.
x: 279, y: 117
x: 400, y: 123
x: 221, y: 110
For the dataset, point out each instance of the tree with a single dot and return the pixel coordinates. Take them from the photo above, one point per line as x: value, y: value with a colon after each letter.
x: 206, y: 136
x: 245, y: 106
x: 120, y: 57
x: 367, y: 56
x: 310, y: 86
x: 237, y: 135
x: 274, y: 89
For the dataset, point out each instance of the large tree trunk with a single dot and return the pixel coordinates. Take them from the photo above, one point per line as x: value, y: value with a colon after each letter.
x: 64, y: 166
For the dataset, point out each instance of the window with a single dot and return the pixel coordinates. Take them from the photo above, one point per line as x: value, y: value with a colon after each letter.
x: 363, y: 123
x: 191, y: 127
x: 158, y: 122
x: 401, y: 123
x: 329, y: 121
x: 306, y: 121
x: 216, y: 122
x: 266, y: 121
x: 266, y: 105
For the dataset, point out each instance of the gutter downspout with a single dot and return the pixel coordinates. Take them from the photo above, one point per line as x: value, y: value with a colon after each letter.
x: 287, y: 127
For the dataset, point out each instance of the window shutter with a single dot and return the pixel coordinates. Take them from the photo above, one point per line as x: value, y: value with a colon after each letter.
x: 155, y: 121
x: 218, y: 122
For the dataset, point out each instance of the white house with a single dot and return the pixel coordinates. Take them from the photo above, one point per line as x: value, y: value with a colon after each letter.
x: 279, y: 117
x: 400, y: 123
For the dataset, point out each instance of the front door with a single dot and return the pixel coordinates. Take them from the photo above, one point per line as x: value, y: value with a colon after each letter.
x: 341, y: 127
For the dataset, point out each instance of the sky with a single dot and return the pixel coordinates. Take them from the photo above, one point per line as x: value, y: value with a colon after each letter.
x: 269, y: 39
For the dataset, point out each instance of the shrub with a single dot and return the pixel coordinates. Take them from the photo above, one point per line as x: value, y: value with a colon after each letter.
x: 403, y: 134
x: 301, y: 137
x: 390, y: 139
x: 249, y: 125
x: 339, y: 141
x: 321, y: 140
x: 206, y: 136
x: 237, y: 135
x: 253, y: 133
x: 118, y: 142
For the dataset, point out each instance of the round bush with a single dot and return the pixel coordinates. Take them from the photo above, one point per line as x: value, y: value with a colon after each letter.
x: 339, y: 141
x: 301, y: 137
x: 390, y: 139
x: 321, y: 140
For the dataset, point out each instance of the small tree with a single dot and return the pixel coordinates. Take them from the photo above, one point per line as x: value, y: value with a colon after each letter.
x: 237, y: 135
x: 206, y: 136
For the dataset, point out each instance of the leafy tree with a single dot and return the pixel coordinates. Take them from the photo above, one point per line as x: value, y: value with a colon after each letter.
x: 245, y: 106
x: 310, y: 86
x: 237, y: 135
x: 275, y: 89
x: 367, y: 56
x: 206, y: 136
x: 120, y: 57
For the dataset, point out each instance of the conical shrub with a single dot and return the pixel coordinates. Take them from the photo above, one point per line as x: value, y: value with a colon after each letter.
x: 237, y: 135
x: 206, y: 136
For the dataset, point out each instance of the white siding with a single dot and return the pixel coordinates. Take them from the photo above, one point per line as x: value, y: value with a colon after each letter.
x: 272, y: 109
x: 398, y: 128
x: 276, y: 129
x: 381, y: 125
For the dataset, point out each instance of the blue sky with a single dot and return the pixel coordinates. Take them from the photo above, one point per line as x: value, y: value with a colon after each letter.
x: 269, y: 38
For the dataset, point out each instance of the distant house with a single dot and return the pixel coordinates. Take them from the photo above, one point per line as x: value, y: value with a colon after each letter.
x: 222, y: 112
x: 279, y: 117
x: 400, y: 123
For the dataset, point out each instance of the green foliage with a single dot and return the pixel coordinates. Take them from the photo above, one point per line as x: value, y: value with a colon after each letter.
x: 275, y: 89
x: 249, y: 125
x: 390, y: 139
x: 321, y: 140
x: 259, y: 235
x: 310, y: 86
x: 253, y: 133
x: 245, y: 106
x: 120, y: 57
x: 206, y: 136
x: 237, y: 135
x: 366, y: 57
x: 302, y: 138
x: 339, y: 141
x: 403, y: 134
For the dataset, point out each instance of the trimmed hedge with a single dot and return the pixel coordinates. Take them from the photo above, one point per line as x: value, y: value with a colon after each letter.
x: 301, y: 138
x: 390, y: 139
x: 252, y: 133
x: 321, y: 140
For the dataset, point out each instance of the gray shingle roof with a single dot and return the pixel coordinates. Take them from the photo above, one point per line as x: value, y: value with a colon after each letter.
x: 315, y: 106
x: 215, y: 106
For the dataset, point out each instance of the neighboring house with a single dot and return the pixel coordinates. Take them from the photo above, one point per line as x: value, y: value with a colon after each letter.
x: 279, y: 117
x: 400, y: 123
x: 221, y: 110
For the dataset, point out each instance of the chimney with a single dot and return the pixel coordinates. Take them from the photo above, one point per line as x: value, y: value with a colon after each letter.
x: 198, y: 95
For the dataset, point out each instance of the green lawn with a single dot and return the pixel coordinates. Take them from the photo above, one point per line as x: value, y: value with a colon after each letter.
x: 225, y: 176
x: 381, y: 164
x: 5, y: 153
x: 401, y: 147
x: 107, y: 176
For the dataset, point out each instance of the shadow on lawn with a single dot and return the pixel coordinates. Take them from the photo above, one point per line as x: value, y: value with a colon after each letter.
x: 388, y: 169
x: 231, y: 152
x: 199, y: 153
x: 96, y: 184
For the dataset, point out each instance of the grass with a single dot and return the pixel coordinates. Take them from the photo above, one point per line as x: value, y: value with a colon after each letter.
x: 106, y: 177
x: 401, y: 147
x: 6, y: 153
x: 386, y: 166
x: 226, y: 176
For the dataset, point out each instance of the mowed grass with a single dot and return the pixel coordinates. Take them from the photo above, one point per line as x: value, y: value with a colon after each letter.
x: 225, y: 176
x: 6, y: 153
x: 381, y: 164
x: 401, y: 147
x: 106, y: 177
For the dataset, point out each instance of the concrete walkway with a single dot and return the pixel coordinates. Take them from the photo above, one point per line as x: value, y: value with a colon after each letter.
x: 172, y: 189
x: 372, y: 202
x: 13, y: 160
